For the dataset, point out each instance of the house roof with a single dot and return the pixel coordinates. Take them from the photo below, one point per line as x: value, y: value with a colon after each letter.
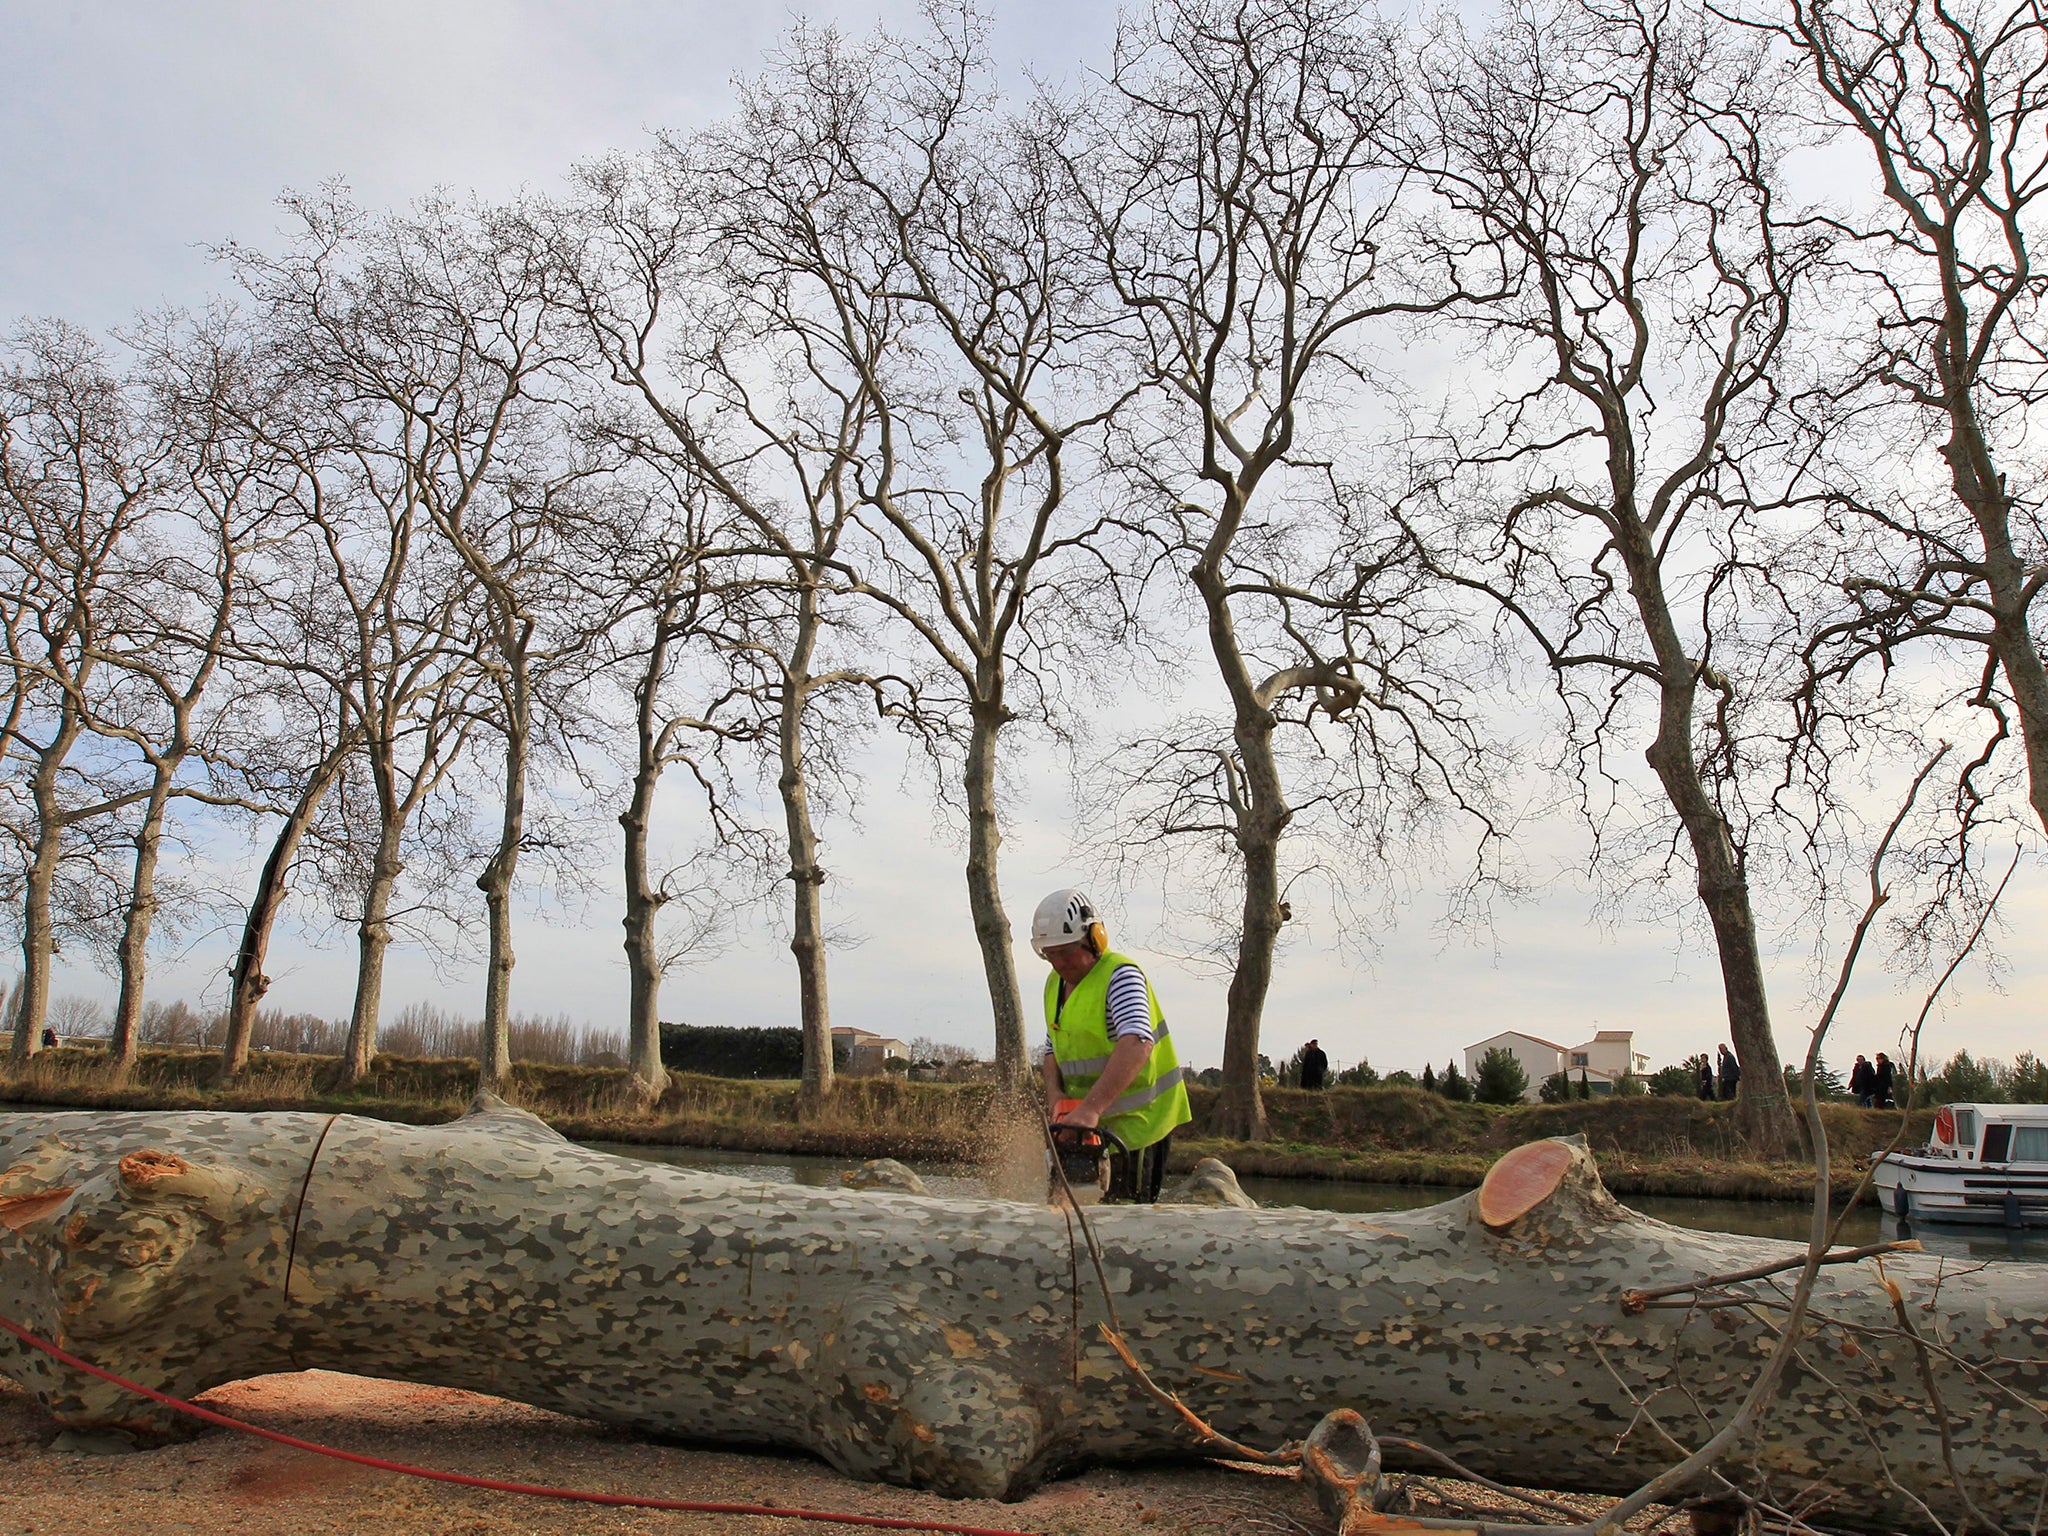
x: 1517, y: 1034
x: 1616, y: 1034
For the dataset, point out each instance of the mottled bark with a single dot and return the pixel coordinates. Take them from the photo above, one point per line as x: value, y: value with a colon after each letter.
x: 984, y: 894
x: 1763, y: 1112
x: 940, y: 1343
x: 806, y: 874
x: 494, y: 1049
x: 133, y: 951
x: 38, y: 940
x: 643, y: 952
x: 2010, y: 584
x: 247, y: 983
x: 1258, y: 812
x: 373, y: 938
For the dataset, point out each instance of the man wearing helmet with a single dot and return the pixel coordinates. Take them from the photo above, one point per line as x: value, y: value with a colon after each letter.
x: 1106, y: 1044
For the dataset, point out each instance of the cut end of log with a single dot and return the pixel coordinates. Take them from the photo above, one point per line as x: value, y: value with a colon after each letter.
x: 143, y: 1170
x: 1521, y: 1181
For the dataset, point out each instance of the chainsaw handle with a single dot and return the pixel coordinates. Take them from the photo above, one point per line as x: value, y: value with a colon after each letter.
x: 1116, y: 1142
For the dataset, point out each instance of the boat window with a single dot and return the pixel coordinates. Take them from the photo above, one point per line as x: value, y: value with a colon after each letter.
x: 2030, y: 1144
x: 1997, y: 1138
x: 1966, y: 1128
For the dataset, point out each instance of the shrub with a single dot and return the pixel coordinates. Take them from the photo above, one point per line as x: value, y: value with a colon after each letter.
x: 1359, y: 1076
x: 736, y: 1050
x: 1628, y: 1086
x: 1556, y: 1089
x: 1454, y: 1085
x: 1675, y: 1082
x: 1502, y: 1079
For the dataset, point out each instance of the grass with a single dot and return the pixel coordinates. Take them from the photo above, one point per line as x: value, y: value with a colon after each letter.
x: 1378, y: 1135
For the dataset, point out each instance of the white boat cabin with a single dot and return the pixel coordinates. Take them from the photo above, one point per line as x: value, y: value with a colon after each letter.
x: 1990, y: 1133
x: 1985, y: 1163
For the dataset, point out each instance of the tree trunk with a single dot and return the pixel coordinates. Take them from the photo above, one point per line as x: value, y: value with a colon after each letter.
x: 941, y: 1344
x: 38, y: 934
x: 1763, y: 1112
x: 806, y: 875
x: 984, y: 896
x: 141, y: 917
x: 1980, y: 488
x: 494, y: 1050
x: 373, y: 938
x: 1259, y: 813
x: 248, y: 983
x: 643, y: 905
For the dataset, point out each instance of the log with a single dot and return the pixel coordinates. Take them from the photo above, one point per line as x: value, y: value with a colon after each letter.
x: 941, y: 1343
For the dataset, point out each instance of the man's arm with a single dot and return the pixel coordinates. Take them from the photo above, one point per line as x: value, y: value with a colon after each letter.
x: 1126, y: 1060
x: 1049, y: 1071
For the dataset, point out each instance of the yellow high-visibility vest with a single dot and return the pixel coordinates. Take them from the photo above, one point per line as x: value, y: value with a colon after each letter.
x: 1157, y: 1099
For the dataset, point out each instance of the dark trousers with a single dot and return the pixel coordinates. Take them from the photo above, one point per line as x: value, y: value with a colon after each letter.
x: 1135, y: 1177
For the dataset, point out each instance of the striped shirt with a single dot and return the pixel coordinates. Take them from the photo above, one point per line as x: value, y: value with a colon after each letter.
x: 1129, y: 1010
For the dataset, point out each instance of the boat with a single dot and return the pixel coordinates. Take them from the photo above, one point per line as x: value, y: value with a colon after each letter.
x: 1986, y: 1165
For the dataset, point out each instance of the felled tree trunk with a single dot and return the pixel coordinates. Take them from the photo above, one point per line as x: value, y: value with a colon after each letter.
x: 939, y: 1343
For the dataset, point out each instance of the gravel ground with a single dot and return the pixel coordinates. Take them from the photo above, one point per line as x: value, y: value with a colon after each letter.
x: 222, y: 1482
x: 225, y: 1482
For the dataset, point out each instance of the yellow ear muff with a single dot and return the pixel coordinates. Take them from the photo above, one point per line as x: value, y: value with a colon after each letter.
x: 1099, y: 937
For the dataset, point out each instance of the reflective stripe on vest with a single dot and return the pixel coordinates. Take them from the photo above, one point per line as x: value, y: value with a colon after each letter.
x: 1156, y: 1100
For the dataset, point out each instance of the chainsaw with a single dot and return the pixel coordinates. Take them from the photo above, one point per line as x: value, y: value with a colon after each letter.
x: 1082, y: 1153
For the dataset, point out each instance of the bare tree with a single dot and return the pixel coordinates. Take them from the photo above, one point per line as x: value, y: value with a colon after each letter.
x: 79, y: 472
x: 1622, y: 158
x: 925, y: 231
x: 380, y: 609
x: 1943, y: 309
x: 186, y: 582
x: 737, y: 384
x: 1248, y: 225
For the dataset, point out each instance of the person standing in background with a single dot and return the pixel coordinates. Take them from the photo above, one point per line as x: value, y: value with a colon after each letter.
x: 1731, y: 1074
x: 1862, y: 1082
x: 1315, y: 1066
x: 1882, y: 1077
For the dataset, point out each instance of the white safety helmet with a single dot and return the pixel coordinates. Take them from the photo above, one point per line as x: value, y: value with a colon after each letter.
x: 1066, y: 917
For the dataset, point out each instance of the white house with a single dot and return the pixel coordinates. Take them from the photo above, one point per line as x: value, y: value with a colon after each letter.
x: 866, y: 1051
x: 1540, y: 1058
x: 1608, y: 1055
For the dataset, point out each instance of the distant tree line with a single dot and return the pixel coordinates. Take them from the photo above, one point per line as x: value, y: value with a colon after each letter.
x: 1463, y: 411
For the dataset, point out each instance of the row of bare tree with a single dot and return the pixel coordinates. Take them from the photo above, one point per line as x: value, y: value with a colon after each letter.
x: 1681, y: 356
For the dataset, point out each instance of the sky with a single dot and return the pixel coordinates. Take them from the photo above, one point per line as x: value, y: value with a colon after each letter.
x: 137, y: 136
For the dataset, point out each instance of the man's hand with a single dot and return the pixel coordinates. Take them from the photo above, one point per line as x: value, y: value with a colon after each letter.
x: 1081, y: 1114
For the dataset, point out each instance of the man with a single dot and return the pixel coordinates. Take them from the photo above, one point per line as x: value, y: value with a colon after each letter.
x: 1881, y: 1079
x: 1315, y: 1066
x: 1106, y: 1044
x: 1731, y: 1074
x: 1862, y: 1083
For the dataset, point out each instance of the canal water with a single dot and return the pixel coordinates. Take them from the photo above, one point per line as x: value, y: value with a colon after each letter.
x: 1753, y: 1218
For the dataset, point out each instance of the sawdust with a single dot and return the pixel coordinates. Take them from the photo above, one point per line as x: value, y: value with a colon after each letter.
x: 222, y: 1481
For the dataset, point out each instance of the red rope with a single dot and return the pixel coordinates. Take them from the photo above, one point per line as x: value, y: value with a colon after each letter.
x: 698, y: 1506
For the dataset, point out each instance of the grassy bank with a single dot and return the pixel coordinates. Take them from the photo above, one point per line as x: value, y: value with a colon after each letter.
x: 1379, y: 1135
